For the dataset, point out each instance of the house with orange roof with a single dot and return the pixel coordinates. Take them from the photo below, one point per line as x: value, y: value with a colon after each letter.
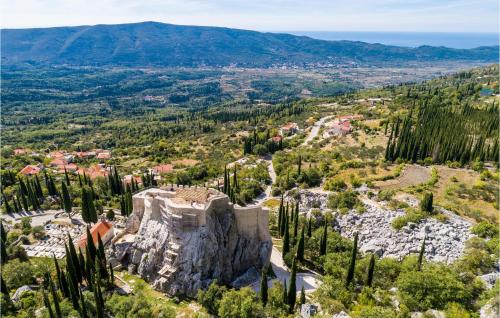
x: 289, y: 129
x: 31, y: 170
x: 128, y: 179
x: 58, y: 162
x: 277, y: 138
x: 102, y: 228
x: 105, y: 155
x: 95, y: 171
x: 20, y: 151
x: 165, y: 168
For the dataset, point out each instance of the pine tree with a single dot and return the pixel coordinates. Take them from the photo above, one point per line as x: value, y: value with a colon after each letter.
x: 352, y: 264
x: 300, y: 246
x: 66, y: 199
x: 371, y: 269
x: 292, y: 289
x: 421, y: 255
x: 302, y: 296
x: 263, y: 286
x: 323, y: 241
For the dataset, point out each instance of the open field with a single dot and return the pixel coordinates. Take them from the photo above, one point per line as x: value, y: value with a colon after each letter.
x: 412, y: 175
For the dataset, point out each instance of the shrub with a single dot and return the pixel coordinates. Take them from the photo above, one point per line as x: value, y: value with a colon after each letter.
x: 335, y: 185
x: 485, y: 229
x: 426, y: 202
x: 344, y: 200
x: 411, y: 216
x: 240, y: 303
x: 385, y: 195
x: 210, y: 298
x: 433, y: 287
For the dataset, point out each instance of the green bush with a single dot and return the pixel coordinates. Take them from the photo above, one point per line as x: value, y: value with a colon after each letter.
x: 411, y: 216
x: 335, y: 185
x: 433, y: 287
x: 343, y: 200
x: 485, y: 229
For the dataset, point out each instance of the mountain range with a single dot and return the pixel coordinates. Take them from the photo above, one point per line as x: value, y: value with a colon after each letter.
x: 160, y: 44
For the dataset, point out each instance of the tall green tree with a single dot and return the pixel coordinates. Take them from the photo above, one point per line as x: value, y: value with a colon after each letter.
x: 352, y: 263
x: 371, y: 269
x: 286, y: 239
x: 421, y: 255
x: 66, y: 199
x: 300, y: 246
x: 323, y: 241
x: 292, y: 289
x: 263, y: 287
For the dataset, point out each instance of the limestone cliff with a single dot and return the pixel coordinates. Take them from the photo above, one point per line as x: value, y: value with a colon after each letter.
x: 181, y: 246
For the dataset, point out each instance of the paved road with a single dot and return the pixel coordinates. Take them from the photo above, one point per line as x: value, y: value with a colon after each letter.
x: 315, y: 129
x: 309, y: 280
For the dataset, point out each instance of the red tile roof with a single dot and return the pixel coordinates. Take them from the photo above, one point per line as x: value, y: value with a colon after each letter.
x: 31, y: 170
x: 101, y: 228
x: 163, y: 168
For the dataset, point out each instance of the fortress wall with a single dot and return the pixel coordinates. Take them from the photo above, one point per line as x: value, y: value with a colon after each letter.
x: 252, y: 222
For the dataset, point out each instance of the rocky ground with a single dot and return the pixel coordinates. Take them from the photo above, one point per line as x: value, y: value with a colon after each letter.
x: 445, y: 241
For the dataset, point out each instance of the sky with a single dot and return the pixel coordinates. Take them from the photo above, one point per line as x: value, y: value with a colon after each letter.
x: 263, y: 15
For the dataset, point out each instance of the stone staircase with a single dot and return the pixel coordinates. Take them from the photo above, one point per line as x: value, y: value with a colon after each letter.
x: 169, y: 269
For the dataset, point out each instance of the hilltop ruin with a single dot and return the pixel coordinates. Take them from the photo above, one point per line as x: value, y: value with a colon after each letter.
x: 182, y: 238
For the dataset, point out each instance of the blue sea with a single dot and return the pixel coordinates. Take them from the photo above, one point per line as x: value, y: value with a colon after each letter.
x: 409, y: 39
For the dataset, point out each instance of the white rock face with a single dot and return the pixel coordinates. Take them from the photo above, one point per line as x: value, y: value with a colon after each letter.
x: 445, y: 241
x: 181, y: 247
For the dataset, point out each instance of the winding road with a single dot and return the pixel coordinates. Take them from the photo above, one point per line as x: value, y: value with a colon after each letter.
x: 315, y: 129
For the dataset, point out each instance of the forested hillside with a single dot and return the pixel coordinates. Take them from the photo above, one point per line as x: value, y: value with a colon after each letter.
x: 448, y: 121
x: 159, y: 44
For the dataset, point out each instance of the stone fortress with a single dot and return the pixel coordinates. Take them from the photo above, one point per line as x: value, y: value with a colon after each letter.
x: 181, y: 238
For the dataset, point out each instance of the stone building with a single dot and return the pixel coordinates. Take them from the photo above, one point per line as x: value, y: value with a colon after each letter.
x: 182, y: 238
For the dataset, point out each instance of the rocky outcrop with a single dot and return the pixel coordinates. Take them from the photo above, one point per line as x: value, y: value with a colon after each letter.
x: 180, y: 259
x: 445, y: 241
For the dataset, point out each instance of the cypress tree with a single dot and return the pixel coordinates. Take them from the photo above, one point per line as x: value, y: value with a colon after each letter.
x: 58, y: 272
x: 421, y: 255
x: 64, y: 284
x: 299, y: 165
x: 70, y: 267
x: 4, y: 289
x: 123, y: 209
x: 85, y: 206
x: 295, y: 224
x: 263, y: 287
x: 302, y: 296
x: 323, y: 241
x: 90, y: 245
x: 74, y: 295
x: 371, y: 269
x: 280, y: 215
x: 286, y: 239
x: 83, y: 310
x: 98, y: 300
x: 66, y: 177
x: 75, y: 260
x: 309, y: 227
x: 66, y: 199
x: 292, y: 289
x: 111, y: 275
x: 8, y: 208
x: 24, y: 200
x: 300, y: 246
x: 285, y: 293
x: 55, y: 298
x: 426, y: 204
x: 352, y: 264
x: 46, y: 303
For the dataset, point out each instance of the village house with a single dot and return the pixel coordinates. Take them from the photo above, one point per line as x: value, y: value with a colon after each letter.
x: 276, y: 139
x: 289, y: 129
x: 101, y: 228
x: 128, y: 179
x: 104, y: 155
x: 161, y: 169
x: 31, y: 170
x: 20, y: 151
x: 85, y: 154
x: 95, y: 171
